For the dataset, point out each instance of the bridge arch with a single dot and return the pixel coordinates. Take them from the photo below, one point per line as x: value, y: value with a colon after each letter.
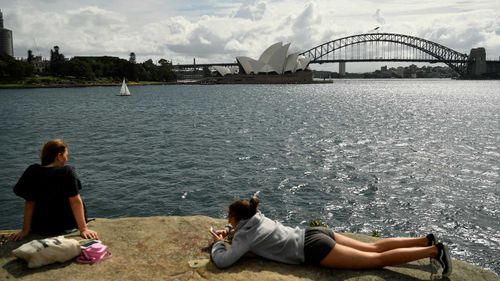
x: 436, y: 52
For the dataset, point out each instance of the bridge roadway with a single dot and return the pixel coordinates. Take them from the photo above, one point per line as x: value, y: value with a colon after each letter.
x: 203, y: 65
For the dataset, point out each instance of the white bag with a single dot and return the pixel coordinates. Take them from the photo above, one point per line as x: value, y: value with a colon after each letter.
x: 49, y: 250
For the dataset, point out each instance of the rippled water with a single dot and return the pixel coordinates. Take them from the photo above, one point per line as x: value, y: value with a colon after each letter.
x: 403, y: 157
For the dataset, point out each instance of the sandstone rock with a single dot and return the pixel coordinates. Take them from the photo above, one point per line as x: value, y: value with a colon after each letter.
x: 172, y: 248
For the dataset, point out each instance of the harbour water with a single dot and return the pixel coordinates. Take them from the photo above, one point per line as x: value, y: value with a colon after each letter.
x: 401, y: 157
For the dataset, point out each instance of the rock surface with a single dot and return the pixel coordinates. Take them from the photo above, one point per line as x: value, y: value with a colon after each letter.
x: 175, y: 248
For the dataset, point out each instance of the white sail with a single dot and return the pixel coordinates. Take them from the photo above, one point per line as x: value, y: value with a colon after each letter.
x: 124, y: 90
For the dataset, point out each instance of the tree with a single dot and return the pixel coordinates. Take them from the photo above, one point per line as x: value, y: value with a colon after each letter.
x: 131, y: 71
x: 12, y: 69
x: 132, y: 58
x: 79, y: 68
x: 165, y: 72
x: 163, y: 62
x: 56, y: 61
x: 16, y: 70
x: 148, y: 71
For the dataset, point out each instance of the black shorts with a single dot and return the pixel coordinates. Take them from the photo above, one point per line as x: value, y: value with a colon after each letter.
x: 318, y: 242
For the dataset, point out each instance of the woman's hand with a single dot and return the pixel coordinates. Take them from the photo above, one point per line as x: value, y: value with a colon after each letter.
x: 222, y: 232
x: 29, y: 206
x: 88, y: 234
x: 19, y: 235
x: 217, y: 235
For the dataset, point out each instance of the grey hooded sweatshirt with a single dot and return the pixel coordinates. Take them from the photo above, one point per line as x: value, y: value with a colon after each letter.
x: 264, y: 237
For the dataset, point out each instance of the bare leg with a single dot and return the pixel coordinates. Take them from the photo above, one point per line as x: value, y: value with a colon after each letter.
x: 381, y: 245
x: 344, y: 257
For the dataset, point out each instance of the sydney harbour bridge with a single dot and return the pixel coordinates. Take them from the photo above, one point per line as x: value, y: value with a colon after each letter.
x: 390, y: 47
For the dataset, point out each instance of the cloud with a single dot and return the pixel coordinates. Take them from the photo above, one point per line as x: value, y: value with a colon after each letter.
x: 459, y: 32
x: 200, y: 42
x: 307, y: 27
x: 79, y: 31
x: 233, y: 36
x: 495, y: 26
x: 93, y: 16
x: 83, y: 31
x: 253, y: 11
x: 204, y: 38
x: 378, y: 17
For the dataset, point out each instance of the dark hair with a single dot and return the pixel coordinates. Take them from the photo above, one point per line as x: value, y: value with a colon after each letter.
x: 244, y: 209
x: 51, y: 149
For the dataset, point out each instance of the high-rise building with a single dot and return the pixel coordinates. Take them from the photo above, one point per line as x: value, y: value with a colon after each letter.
x: 6, y: 46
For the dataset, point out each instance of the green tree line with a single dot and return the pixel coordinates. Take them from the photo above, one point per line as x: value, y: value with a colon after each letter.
x: 13, y: 69
x: 87, y: 68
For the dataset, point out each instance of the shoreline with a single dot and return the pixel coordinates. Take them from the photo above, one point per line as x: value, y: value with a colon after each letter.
x: 205, y: 82
x: 133, y: 84
x: 79, y: 85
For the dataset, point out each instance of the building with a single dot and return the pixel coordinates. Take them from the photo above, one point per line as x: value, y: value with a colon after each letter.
x: 477, y: 62
x: 274, y: 66
x: 478, y: 67
x: 274, y: 60
x: 224, y: 70
x: 6, y: 46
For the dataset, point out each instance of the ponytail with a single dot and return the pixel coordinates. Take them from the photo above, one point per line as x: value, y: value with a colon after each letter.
x: 254, y: 203
x: 244, y: 209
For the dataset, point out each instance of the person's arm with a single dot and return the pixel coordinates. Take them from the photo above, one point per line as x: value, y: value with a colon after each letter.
x: 29, y: 206
x: 228, y: 228
x: 77, y: 207
x: 224, y: 232
x: 224, y: 257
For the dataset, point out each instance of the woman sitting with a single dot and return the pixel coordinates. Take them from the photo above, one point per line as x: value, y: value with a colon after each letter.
x: 253, y: 232
x: 51, y: 193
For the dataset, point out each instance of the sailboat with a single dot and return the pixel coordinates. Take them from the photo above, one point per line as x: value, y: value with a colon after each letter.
x: 124, y: 90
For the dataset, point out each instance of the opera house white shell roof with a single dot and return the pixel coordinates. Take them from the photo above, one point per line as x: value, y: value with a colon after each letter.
x: 275, y: 59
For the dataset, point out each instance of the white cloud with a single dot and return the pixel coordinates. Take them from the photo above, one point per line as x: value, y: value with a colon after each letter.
x: 378, y: 17
x: 87, y: 30
x: 307, y: 28
x: 463, y: 32
x: 254, y: 10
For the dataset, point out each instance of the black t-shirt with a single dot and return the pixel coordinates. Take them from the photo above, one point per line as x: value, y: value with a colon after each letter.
x: 50, y: 188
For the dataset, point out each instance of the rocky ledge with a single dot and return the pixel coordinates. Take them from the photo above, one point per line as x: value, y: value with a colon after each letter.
x: 176, y: 248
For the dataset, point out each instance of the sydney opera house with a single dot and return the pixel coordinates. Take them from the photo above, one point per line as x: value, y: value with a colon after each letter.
x: 274, y: 65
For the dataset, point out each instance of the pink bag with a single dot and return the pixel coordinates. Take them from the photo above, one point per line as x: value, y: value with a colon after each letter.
x: 94, y: 253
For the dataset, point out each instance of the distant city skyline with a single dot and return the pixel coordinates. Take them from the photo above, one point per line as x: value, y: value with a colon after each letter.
x: 218, y: 31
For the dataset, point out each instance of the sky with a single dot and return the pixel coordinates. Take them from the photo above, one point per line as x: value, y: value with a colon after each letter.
x: 218, y: 31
